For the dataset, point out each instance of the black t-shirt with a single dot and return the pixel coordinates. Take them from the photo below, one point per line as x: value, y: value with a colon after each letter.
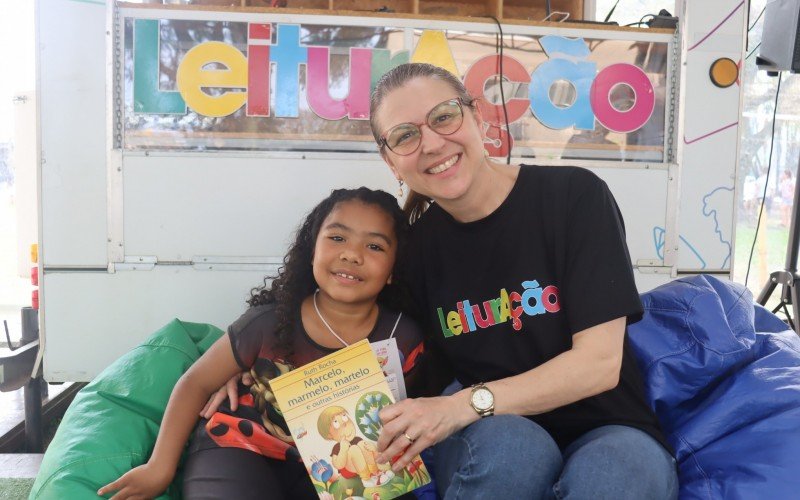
x: 257, y: 425
x: 253, y: 337
x: 504, y: 294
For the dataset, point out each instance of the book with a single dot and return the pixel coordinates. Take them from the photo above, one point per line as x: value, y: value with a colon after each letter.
x: 331, y: 408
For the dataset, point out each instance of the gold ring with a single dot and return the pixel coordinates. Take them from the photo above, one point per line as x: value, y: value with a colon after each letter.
x: 410, y: 439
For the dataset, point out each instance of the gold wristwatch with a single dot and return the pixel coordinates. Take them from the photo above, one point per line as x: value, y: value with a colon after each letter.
x: 482, y: 400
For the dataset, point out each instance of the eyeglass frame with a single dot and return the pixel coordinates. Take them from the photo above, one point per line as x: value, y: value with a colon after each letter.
x: 460, y: 101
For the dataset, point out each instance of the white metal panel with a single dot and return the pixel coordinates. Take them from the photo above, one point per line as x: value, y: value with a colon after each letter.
x: 72, y: 120
x: 182, y: 205
x: 93, y: 318
x: 642, y: 199
x: 647, y: 281
x: 710, y: 134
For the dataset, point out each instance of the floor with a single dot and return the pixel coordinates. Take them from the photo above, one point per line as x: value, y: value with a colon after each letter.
x: 17, y: 473
x: 12, y: 406
x: 20, y: 465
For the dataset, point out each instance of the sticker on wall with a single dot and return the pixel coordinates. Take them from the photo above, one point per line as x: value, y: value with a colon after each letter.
x: 724, y: 72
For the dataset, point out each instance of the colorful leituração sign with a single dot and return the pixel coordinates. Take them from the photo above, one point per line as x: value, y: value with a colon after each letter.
x: 277, y: 75
x: 246, y: 80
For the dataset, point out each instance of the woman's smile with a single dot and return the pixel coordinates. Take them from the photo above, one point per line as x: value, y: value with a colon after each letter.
x: 444, y: 166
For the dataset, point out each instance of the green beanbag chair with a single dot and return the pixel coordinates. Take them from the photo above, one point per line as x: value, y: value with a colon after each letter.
x: 112, y: 424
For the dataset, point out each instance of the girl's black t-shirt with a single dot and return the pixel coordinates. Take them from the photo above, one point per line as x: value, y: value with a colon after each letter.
x: 504, y: 294
x: 257, y: 425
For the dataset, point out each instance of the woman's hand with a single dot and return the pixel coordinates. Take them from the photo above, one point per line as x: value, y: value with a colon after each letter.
x: 145, y: 481
x: 230, y: 390
x: 412, y: 425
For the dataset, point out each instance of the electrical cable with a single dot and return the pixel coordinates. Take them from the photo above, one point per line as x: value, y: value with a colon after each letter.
x: 756, y: 21
x: 750, y: 28
x: 499, y: 51
x: 766, y: 183
x: 611, y: 12
x: 752, y: 51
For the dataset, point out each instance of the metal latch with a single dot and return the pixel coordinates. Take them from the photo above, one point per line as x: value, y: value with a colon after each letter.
x: 652, y: 266
x: 268, y: 265
x: 137, y: 263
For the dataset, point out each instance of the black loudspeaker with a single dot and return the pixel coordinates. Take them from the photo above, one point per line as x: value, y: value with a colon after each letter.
x: 780, y: 39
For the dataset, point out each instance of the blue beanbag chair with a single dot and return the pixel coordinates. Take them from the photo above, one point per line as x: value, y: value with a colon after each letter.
x: 723, y: 376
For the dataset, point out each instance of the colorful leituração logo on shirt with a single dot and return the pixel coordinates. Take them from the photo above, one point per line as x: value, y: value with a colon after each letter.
x: 533, y: 301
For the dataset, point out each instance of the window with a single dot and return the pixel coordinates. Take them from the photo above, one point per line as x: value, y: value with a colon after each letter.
x: 754, y: 185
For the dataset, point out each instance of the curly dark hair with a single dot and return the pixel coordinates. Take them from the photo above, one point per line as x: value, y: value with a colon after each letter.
x: 295, y: 280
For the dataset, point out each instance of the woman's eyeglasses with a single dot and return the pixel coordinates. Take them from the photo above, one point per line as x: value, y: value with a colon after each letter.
x: 445, y: 119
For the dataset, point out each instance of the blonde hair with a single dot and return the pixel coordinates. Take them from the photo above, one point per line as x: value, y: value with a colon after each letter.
x: 326, y: 418
x: 415, y: 204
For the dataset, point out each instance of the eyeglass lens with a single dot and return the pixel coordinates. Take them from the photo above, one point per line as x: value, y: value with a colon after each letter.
x: 444, y: 119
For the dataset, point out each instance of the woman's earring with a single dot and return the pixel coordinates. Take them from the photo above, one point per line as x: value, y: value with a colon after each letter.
x: 485, y: 152
x: 400, y: 189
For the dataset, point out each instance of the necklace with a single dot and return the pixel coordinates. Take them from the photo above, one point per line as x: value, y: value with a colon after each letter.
x: 340, y: 339
x: 316, y: 308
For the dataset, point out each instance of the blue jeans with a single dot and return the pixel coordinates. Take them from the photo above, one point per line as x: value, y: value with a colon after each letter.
x: 507, y: 456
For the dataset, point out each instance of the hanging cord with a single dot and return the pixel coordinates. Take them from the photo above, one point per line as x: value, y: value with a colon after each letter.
x: 611, y: 12
x: 757, y: 19
x: 498, y: 37
x: 550, y: 15
x: 751, y: 26
x: 766, y: 184
x: 753, y: 51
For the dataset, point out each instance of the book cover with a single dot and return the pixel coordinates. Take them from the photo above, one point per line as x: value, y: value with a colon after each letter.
x: 331, y: 408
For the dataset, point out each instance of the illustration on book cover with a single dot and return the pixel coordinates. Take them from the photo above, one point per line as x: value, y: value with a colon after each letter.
x: 331, y: 407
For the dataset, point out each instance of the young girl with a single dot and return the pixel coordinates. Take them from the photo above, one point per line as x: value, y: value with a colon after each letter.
x: 332, y: 290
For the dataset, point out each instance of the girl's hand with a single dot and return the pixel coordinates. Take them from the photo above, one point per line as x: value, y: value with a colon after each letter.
x: 425, y: 420
x: 145, y: 481
x: 230, y: 390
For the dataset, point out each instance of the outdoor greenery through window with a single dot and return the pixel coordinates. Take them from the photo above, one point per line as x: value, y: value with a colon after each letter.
x: 776, y: 190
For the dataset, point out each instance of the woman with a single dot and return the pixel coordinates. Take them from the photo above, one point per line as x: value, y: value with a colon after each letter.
x: 524, y: 285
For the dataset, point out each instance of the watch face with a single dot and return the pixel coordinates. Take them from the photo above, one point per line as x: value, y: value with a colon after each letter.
x: 483, y: 399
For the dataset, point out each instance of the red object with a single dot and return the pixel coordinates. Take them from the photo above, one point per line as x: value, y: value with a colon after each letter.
x: 260, y: 31
x: 234, y: 432
x: 258, y: 79
x: 35, y: 276
x: 35, y: 299
x: 246, y: 400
